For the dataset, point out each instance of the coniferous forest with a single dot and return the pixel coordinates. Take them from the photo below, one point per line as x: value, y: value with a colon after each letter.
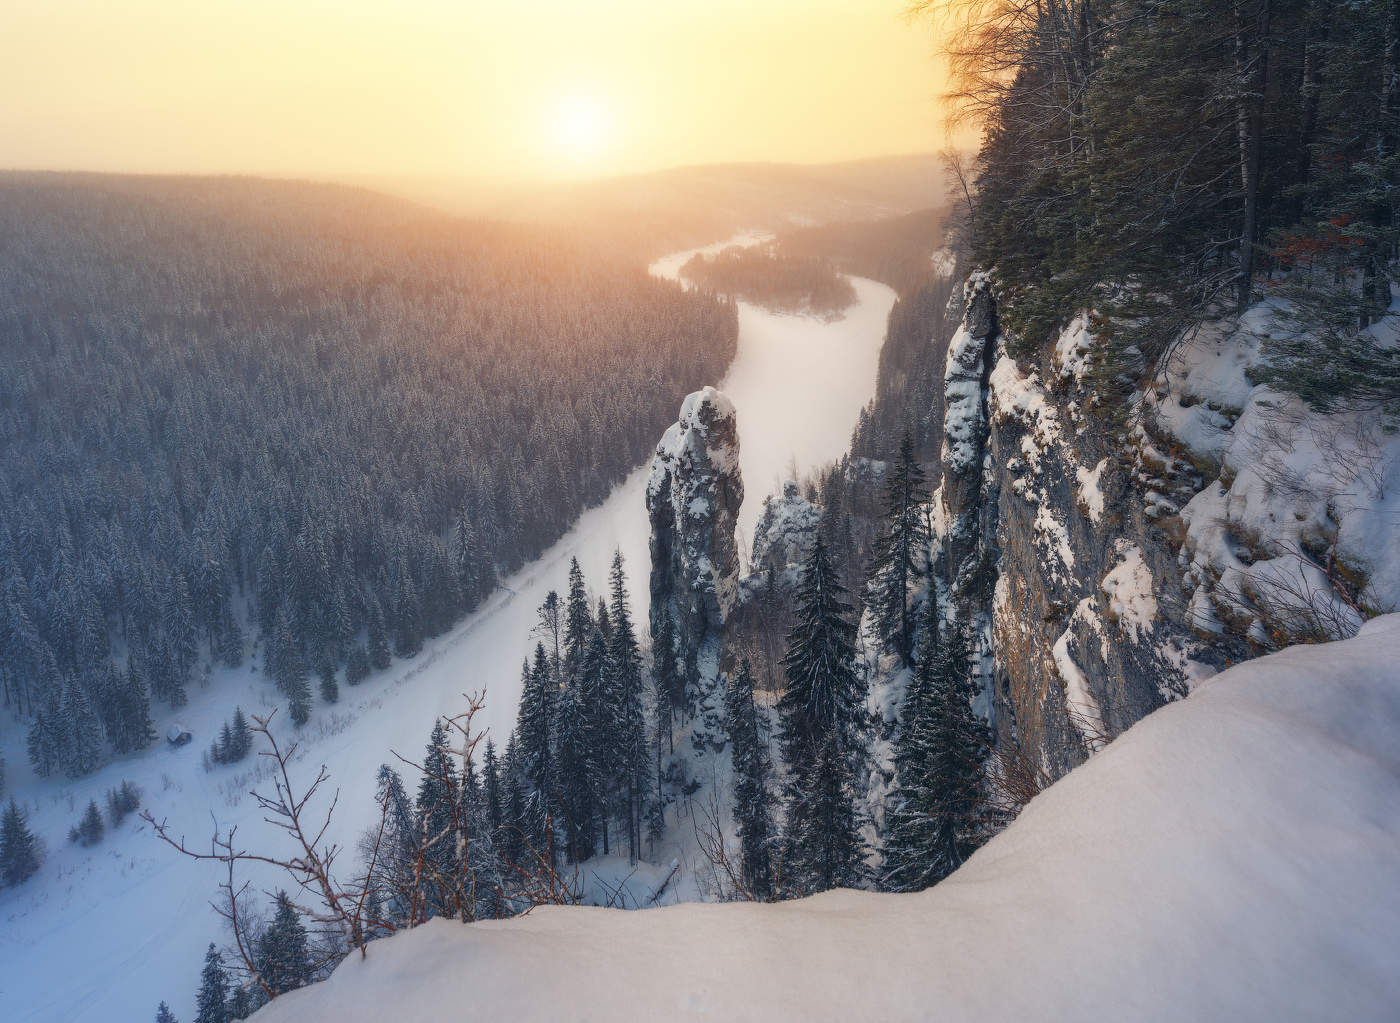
x: 301, y: 414
x: 1174, y: 160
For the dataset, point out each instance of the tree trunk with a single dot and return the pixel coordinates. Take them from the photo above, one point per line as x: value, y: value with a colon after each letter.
x: 1317, y: 28
x: 1390, y: 82
x: 1259, y: 83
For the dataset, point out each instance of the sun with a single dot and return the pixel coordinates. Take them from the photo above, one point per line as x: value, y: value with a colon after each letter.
x: 581, y: 126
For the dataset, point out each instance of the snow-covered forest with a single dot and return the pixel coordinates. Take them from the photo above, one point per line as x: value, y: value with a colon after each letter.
x: 303, y: 417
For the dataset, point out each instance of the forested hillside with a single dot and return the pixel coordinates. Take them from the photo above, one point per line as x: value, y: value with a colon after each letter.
x: 773, y: 279
x: 1167, y: 161
x: 233, y: 409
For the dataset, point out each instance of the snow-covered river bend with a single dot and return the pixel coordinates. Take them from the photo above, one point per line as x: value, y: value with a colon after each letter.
x: 105, y: 933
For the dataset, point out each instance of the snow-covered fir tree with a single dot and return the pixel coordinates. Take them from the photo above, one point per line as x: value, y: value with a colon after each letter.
x: 630, y: 755
x: 932, y: 823
x: 823, y: 733
x: 19, y: 849
x: 573, y: 775
x: 753, y: 795
x: 211, y: 1003
x: 283, y: 955
x: 900, y: 550
x: 578, y: 621
x: 438, y: 811
x: 538, y: 742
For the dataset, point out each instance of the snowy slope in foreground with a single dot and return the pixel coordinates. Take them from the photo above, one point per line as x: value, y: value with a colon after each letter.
x: 1233, y: 856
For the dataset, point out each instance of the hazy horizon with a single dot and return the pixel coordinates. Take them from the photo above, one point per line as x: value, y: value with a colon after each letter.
x: 535, y: 93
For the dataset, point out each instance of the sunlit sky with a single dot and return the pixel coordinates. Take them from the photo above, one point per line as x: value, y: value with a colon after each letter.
x: 480, y: 89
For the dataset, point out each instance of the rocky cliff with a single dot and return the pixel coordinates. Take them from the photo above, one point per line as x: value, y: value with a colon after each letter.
x: 1108, y: 558
x: 1051, y: 552
x: 693, y: 498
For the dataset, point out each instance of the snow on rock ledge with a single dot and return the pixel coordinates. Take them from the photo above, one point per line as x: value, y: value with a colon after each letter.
x: 786, y: 531
x: 1231, y: 856
x: 693, y: 498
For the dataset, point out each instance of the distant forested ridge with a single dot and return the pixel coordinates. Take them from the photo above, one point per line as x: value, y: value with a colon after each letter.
x: 773, y: 279
x: 304, y: 411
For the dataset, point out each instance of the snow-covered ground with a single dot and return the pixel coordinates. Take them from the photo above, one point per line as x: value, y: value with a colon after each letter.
x: 105, y: 933
x: 1232, y: 856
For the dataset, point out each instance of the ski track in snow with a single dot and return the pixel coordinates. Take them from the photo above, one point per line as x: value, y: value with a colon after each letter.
x: 106, y: 933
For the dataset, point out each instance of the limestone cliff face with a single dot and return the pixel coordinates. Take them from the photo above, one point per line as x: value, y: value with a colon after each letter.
x: 1052, y: 547
x: 968, y: 363
x: 693, y: 498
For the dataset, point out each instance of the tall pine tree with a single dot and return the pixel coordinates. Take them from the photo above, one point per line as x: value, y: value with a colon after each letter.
x: 211, y: 1004
x: 578, y: 621
x: 901, y: 550
x: 283, y: 956
x: 823, y: 729
x: 753, y: 798
x: 19, y: 850
x: 625, y: 670
x: 932, y: 824
x: 438, y: 813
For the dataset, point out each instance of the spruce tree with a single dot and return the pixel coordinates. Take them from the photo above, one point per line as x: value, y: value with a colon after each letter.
x: 603, y: 619
x: 330, y: 691
x: 631, y: 754
x: 513, y: 812
x: 822, y: 842
x: 90, y: 828
x: 82, y: 731
x: 823, y: 727
x: 137, y: 731
x: 289, y: 668
x: 378, y: 638
x: 357, y: 665
x: 398, y: 848
x: 932, y: 824
x: 578, y: 621
x: 241, y: 1004
x: 538, y: 709
x: 283, y: 958
x: 753, y: 798
x: 492, y: 790
x: 242, y: 735
x: 824, y: 694
x: 44, y: 741
x: 211, y: 1004
x: 574, y: 772
x: 19, y: 849
x: 596, y: 692
x: 164, y: 1015
x: 407, y: 616
x: 900, y: 550
x: 439, y: 793
x: 222, y: 750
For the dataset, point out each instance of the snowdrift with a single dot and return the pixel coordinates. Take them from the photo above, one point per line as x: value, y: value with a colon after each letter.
x: 1235, y: 855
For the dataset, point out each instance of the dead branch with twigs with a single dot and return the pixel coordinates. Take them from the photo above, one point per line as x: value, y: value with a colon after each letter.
x: 311, y: 867
x: 348, y: 915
